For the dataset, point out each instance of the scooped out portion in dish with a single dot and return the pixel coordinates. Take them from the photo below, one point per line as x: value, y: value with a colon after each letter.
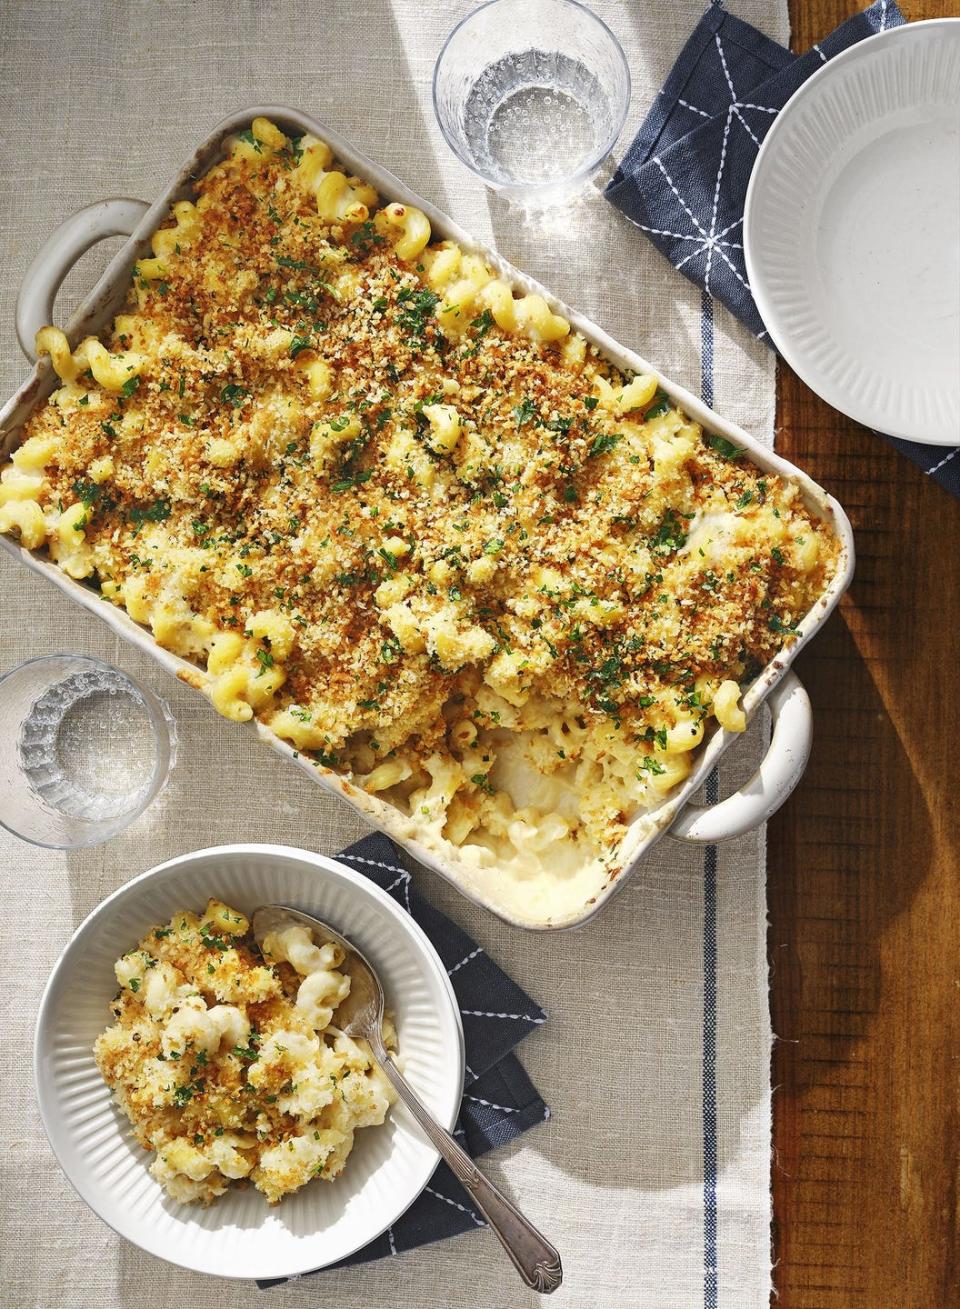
x: 229, y: 1063
x: 498, y: 590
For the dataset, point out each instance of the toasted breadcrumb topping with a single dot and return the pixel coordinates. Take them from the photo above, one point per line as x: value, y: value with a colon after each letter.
x: 230, y: 1065
x: 405, y: 518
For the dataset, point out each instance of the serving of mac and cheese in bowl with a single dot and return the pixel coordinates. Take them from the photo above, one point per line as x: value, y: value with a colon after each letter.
x: 198, y: 1091
x: 480, y: 570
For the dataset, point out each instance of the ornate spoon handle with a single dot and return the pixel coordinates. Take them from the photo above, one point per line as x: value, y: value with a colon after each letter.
x: 537, y: 1262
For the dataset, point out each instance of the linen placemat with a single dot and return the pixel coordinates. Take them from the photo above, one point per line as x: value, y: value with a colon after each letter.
x: 499, y: 1100
x: 652, y: 1176
x: 683, y: 180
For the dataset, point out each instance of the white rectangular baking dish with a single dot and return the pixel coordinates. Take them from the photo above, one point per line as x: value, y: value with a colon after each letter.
x: 790, y: 743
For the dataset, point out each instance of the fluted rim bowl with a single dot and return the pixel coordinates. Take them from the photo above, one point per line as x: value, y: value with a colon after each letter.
x: 852, y: 232
x: 239, y: 1235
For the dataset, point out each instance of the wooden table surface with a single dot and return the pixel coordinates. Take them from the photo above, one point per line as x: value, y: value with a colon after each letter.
x: 864, y: 940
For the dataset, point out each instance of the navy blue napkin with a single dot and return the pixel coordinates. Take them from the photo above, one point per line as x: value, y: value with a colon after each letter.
x: 683, y: 181
x: 499, y: 1100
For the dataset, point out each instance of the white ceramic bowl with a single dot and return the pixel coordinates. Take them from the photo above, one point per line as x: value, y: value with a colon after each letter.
x: 852, y: 232
x: 239, y: 1235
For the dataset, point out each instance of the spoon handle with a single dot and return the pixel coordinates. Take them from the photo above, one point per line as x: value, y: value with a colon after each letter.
x: 536, y: 1260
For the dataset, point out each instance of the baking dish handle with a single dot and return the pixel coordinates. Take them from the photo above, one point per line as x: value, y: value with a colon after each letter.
x: 61, y: 250
x: 779, y: 772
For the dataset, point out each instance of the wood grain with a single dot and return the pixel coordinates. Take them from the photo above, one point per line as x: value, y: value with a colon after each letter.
x: 864, y: 938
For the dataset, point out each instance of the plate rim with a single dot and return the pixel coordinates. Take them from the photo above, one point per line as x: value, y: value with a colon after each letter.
x: 796, y: 360
x: 44, y: 1092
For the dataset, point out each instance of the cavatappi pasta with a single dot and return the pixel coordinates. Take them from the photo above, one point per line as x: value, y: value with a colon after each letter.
x: 229, y: 1063
x: 402, y: 515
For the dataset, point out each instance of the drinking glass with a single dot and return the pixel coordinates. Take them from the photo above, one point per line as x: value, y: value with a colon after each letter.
x: 531, y: 95
x: 84, y: 748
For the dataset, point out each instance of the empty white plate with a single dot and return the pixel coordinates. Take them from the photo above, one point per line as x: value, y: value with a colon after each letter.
x: 239, y: 1235
x: 852, y: 232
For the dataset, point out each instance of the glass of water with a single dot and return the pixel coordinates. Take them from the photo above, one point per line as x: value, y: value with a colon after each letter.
x: 83, y: 750
x: 532, y: 95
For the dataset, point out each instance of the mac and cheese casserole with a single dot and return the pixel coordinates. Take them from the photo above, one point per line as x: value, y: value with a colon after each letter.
x: 229, y: 1063
x: 403, y: 516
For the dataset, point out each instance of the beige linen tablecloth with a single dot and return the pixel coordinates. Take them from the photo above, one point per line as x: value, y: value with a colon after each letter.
x: 654, y: 1167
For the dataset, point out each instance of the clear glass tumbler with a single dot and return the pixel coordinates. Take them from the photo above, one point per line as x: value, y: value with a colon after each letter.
x: 531, y: 95
x: 84, y: 749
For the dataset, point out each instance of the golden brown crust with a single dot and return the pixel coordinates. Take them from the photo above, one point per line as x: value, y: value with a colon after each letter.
x: 223, y: 1070
x: 283, y: 451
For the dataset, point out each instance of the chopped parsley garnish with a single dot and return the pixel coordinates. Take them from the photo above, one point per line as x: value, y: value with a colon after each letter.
x: 157, y: 512
x: 390, y: 650
x: 415, y: 311
x: 651, y: 765
x: 298, y: 345
x: 482, y: 780
x: 291, y: 154
x: 234, y: 394
x: 355, y: 479
x: 604, y: 680
x: 87, y: 492
x: 366, y: 237
x: 482, y: 323
x: 670, y: 534
x: 723, y: 447
x: 661, y: 403
x: 604, y: 442
x: 265, y: 660
x: 134, y: 984
x: 524, y: 412
x: 776, y: 624
x: 129, y: 386
x: 211, y: 940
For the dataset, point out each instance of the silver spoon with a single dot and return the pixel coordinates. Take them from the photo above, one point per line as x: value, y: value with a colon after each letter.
x: 361, y: 1015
